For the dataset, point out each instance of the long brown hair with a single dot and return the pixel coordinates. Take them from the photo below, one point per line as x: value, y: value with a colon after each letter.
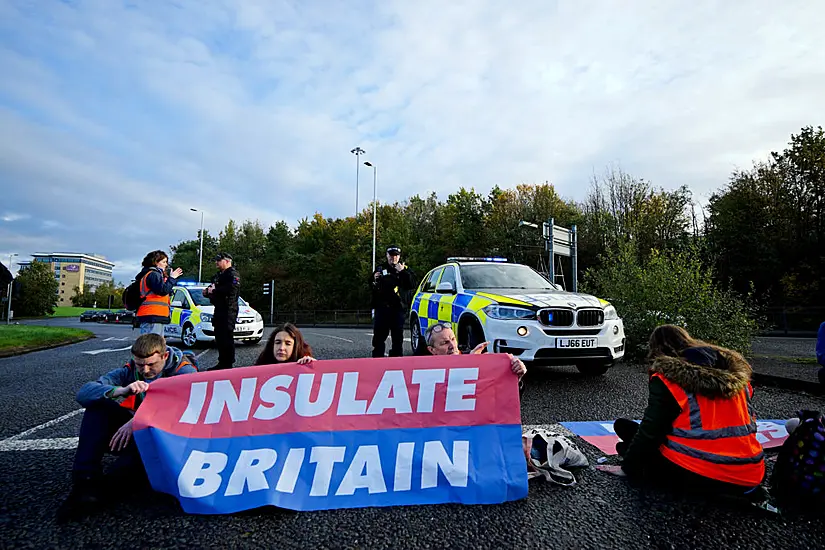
x: 299, y: 350
x: 672, y: 340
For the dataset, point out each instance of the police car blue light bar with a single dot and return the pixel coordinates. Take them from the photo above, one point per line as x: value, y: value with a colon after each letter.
x: 188, y: 283
x: 472, y: 259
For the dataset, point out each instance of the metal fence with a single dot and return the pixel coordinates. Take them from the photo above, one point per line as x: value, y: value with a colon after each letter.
x: 793, y: 320
x: 323, y: 317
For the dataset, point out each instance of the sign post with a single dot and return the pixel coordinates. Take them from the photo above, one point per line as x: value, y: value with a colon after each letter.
x: 564, y: 242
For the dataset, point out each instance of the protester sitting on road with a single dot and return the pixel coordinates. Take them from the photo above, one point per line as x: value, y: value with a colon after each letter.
x: 286, y: 344
x: 155, y: 288
x: 111, y: 402
x: 441, y: 340
x: 820, y: 352
x: 699, y: 428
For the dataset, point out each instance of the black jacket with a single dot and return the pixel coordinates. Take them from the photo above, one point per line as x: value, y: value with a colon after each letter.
x: 225, y: 294
x: 715, y: 373
x: 393, y: 289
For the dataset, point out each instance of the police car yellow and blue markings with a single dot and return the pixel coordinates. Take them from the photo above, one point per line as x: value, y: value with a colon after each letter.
x: 427, y: 306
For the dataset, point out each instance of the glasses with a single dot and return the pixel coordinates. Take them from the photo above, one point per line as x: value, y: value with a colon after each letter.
x: 436, y: 328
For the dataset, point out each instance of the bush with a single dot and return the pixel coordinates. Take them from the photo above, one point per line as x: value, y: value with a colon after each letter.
x: 38, y: 291
x: 671, y: 288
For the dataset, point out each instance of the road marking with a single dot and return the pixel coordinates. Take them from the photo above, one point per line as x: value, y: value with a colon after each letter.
x: 39, y: 444
x: 105, y: 350
x: 371, y: 334
x: 112, y: 338
x: 43, y: 426
x: 204, y: 352
x: 328, y: 336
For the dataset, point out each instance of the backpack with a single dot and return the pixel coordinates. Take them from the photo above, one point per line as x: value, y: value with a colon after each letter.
x: 551, y: 455
x: 798, y: 478
x: 189, y: 355
x: 132, y: 298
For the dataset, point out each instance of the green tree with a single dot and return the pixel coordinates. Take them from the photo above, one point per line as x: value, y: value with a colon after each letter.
x: 38, y: 291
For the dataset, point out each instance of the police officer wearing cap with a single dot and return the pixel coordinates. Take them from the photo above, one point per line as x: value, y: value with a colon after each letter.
x: 223, y: 293
x: 390, y: 285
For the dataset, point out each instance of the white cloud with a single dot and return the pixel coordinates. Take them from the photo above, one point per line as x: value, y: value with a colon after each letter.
x: 115, y: 121
x: 13, y: 217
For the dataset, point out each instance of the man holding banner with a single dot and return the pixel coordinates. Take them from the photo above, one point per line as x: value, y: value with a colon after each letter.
x: 339, y: 434
x: 111, y: 402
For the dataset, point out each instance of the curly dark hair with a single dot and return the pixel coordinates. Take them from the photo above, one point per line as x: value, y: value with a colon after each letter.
x: 155, y: 256
x: 299, y: 350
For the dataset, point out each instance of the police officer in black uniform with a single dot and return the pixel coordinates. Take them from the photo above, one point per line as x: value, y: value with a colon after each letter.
x: 390, y: 285
x: 223, y: 293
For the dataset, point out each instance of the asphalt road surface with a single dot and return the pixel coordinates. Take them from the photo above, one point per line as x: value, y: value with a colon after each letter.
x: 39, y: 419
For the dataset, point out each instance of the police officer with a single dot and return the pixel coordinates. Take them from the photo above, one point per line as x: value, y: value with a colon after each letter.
x: 390, y: 285
x: 223, y: 293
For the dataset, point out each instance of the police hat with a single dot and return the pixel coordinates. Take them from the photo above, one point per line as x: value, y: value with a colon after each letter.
x: 393, y: 250
x: 223, y: 256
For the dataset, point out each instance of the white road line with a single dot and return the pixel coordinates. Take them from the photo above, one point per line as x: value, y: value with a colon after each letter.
x: 201, y: 354
x: 371, y: 334
x: 328, y: 336
x: 39, y: 444
x: 105, y: 350
x: 43, y: 426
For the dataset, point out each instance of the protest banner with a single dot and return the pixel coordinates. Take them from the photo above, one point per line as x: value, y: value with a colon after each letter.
x: 600, y: 434
x: 336, y: 434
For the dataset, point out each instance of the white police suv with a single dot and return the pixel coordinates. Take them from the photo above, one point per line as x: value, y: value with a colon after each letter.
x: 192, y: 318
x: 518, y: 311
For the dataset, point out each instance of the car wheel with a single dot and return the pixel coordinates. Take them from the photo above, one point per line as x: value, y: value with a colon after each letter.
x: 593, y: 369
x: 470, y: 335
x: 417, y: 343
x: 188, y: 336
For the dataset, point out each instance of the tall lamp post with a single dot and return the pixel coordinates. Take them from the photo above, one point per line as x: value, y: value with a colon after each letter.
x: 8, y: 310
x: 357, y: 152
x: 200, y: 254
x: 374, y: 206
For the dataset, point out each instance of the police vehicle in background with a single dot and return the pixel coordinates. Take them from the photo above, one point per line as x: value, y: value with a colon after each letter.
x: 518, y: 311
x: 192, y: 318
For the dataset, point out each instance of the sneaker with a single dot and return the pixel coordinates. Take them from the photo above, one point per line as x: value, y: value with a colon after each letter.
x: 83, y: 500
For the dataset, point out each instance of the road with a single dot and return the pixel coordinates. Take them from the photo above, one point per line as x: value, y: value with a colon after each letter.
x: 37, y: 391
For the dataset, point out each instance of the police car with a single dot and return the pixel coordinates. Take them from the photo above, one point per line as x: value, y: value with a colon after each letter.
x: 518, y: 311
x: 192, y: 318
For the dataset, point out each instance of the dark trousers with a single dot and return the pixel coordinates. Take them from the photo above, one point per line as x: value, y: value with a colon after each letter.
x: 225, y: 340
x: 663, y: 472
x: 388, y: 321
x: 100, y: 422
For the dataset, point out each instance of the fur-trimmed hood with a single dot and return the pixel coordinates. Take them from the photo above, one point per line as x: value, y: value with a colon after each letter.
x: 707, y: 371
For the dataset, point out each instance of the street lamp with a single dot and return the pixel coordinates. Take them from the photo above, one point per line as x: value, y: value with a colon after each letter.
x: 374, y: 206
x: 8, y: 310
x: 357, y: 152
x: 200, y: 254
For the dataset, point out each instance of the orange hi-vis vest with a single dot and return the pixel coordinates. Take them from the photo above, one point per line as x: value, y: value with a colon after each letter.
x: 153, y: 305
x: 133, y: 401
x: 715, y: 438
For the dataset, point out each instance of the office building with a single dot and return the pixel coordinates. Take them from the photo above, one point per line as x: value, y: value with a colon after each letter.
x: 85, y: 271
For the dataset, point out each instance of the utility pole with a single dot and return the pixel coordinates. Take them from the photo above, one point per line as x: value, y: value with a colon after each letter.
x: 11, y: 286
x: 200, y: 254
x: 374, y: 208
x: 357, y: 152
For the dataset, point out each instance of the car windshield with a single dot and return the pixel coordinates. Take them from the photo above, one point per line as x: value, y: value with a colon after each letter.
x: 196, y: 292
x: 506, y: 276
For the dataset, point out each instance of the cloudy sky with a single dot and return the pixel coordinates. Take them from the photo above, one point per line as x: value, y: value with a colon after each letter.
x: 116, y: 117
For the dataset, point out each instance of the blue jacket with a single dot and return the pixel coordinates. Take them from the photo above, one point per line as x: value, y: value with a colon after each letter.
x: 160, y: 285
x: 820, y: 345
x: 103, y: 387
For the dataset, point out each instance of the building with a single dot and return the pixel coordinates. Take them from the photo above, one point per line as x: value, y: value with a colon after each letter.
x: 85, y: 271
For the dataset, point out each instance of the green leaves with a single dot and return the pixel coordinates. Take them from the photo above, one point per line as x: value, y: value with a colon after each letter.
x: 38, y: 291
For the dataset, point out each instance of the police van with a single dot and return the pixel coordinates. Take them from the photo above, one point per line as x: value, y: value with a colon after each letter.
x: 517, y: 311
x: 192, y: 318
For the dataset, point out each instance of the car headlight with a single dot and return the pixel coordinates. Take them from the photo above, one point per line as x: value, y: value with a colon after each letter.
x: 610, y: 313
x: 206, y: 318
x: 258, y: 317
x: 509, y: 312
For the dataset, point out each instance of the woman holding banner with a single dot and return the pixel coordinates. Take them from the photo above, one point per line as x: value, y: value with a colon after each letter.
x: 286, y: 344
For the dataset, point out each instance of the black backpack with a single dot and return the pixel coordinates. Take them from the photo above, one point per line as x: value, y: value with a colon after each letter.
x: 131, y: 295
x: 798, y: 478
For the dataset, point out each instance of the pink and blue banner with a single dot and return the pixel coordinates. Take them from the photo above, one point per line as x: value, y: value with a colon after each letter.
x: 600, y: 434
x: 336, y: 434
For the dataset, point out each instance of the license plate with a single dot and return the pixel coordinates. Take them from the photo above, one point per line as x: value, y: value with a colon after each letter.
x: 575, y: 343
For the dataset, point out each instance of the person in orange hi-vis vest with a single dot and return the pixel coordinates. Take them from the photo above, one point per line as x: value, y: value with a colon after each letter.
x: 699, y: 428
x: 155, y: 290
x: 111, y: 402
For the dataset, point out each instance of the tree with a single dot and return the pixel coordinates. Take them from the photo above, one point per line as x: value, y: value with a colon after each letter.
x: 38, y: 291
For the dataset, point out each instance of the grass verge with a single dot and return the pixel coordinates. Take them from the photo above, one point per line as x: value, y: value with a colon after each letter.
x: 16, y: 339
x: 71, y: 311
